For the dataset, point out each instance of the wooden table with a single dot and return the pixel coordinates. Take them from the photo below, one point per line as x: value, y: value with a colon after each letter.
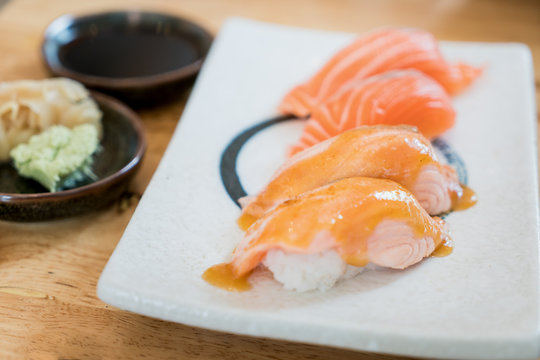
x: 49, y: 271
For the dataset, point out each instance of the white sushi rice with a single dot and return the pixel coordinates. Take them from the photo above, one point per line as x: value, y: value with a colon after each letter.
x: 305, y: 272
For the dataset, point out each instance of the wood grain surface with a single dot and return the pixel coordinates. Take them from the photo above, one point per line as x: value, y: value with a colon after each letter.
x: 49, y: 270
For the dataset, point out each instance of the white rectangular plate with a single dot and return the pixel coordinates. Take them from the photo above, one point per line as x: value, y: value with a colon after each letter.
x: 482, y: 301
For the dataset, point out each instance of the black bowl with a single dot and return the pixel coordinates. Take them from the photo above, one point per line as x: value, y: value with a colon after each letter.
x: 140, y: 57
x: 123, y: 146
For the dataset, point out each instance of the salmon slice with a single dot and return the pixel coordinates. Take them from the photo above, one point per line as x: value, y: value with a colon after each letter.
x: 374, y: 53
x: 392, y: 98
x: 365, y: 220
x: 398, y: 153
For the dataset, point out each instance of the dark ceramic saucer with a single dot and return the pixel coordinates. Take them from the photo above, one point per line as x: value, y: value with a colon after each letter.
x: 139, y: 57
x: 123, y: 146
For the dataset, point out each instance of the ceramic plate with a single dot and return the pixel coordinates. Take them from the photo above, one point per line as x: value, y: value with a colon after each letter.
x: 482, y: 301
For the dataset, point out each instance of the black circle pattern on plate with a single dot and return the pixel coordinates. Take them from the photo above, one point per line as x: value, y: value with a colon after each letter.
x: 227, y: 166
x: 229, y: 157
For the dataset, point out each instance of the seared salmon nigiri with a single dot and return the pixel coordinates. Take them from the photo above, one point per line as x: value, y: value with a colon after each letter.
x: 375, y: 53
x: 353, y: 221
x: 393, y: 98
x: 398, y: 153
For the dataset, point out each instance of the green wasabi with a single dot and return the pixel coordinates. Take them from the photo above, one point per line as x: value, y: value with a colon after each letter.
x: 58, y: 157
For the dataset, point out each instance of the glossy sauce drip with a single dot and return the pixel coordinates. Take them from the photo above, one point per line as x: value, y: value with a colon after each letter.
x: 222, y: 276
x: 442, y: 250
x: 245, y: 221
x: 467, y: 199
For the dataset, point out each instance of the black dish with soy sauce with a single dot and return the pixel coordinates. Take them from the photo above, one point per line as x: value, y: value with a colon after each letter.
x: 140, y: 57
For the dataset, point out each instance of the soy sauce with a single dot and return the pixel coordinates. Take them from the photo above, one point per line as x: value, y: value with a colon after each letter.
x: 128, y: 53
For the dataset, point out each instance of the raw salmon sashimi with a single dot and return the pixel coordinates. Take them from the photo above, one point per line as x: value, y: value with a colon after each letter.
x: 398, y: 153
x: 396, y: 97
x: 308, y: 241
x: 374, y: 53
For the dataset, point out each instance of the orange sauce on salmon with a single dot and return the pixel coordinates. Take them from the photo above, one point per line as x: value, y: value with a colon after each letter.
x: 348, y: 211
x: 223, y: 277
x: 399, y: 161
x: 467, y: 199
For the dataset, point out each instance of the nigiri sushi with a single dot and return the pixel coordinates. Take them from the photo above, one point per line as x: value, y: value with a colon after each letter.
x: 392, y: 98
x: 374, y: 53
x: 398, y: 153
x: 313, y: 240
